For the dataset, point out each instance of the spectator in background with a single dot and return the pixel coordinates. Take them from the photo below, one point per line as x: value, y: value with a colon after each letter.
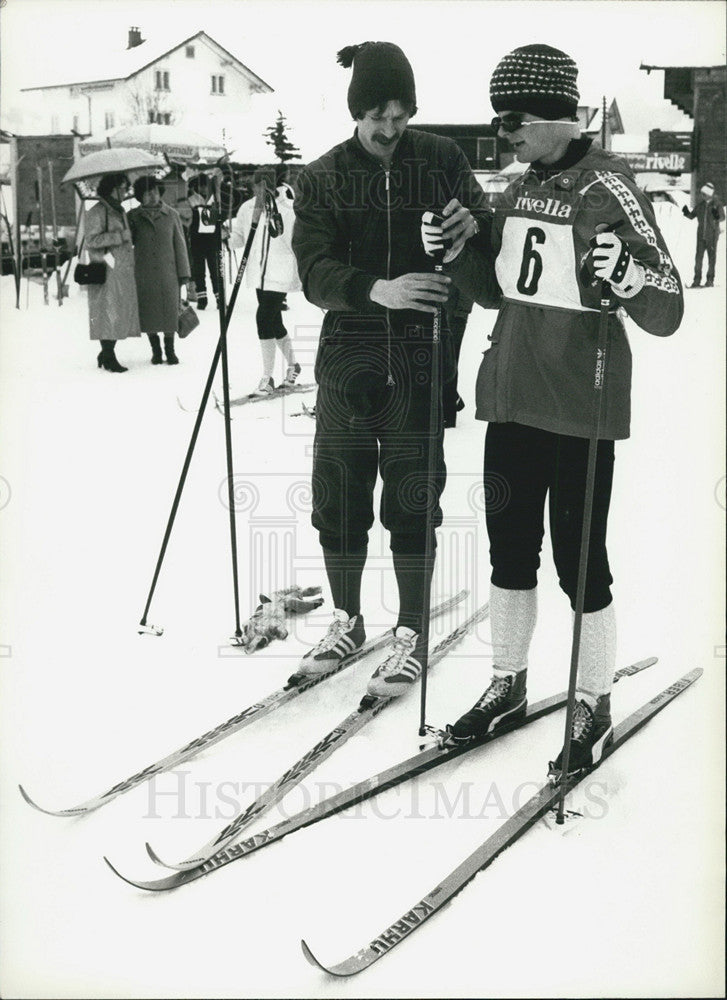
x: 709, y: 213
x: 203, y: 238
x: 271, y: 270
x: 113, y: 311
x: 161, y: 266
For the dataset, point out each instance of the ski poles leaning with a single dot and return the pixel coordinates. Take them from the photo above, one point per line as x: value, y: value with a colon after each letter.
x: 225, y: 314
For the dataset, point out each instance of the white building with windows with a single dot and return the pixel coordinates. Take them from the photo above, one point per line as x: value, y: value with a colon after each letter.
x: 195, y: 82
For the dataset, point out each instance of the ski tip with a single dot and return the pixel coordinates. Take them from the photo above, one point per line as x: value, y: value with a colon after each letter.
x: 155, y: 857
x: 311, y: 957
x: 28, y: 799
x: 50, y: 812
x: 150, y: 886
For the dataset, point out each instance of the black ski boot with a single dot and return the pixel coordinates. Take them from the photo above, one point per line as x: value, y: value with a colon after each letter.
x: 591, y: 732
x: 504, y: 699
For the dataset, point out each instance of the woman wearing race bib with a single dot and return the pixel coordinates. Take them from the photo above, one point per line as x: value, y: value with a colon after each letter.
x: 575, y: 218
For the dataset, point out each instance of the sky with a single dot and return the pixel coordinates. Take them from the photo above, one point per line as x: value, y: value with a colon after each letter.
x: 453, y: 45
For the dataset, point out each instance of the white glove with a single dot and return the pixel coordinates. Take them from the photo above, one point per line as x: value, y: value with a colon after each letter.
x: 432, y: 236
x: 435, y: 243
x: 612, y: 262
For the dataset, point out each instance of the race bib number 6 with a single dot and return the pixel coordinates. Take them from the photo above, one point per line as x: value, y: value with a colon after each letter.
x: 537, y: 263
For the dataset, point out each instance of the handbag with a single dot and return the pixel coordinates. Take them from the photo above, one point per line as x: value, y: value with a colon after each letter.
x: 188, y: 320
x: 93, y: 273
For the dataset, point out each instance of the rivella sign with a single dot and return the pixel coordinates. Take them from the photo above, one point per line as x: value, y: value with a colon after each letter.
x: 660, y: 162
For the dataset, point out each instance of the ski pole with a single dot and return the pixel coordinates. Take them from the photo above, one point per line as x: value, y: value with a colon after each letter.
x: 143, y: 626
x: 430, y: 491
x: 226, y: 403
x: 598, y: 382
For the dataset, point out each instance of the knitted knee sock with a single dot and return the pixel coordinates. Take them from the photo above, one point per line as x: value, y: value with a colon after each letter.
x: 267, y: 348
x: 414, y: 580
x: 513, y: 614
x: 597, y: 654
x: 285, y: 346
x: 344, y: 573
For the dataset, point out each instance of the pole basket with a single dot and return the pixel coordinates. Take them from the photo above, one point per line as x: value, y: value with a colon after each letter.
x: 150, y: 630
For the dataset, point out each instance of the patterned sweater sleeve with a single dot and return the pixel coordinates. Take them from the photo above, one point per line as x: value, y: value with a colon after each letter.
x: 658, y: 306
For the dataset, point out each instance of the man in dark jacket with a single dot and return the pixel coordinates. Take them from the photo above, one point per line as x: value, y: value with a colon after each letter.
x: 709, y: 213
x: 360, y: 257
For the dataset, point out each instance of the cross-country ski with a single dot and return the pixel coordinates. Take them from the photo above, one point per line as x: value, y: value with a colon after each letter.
x: 518, y: 824
x: 296, y: 686
x: 367, y: 710
x: 421, y: 763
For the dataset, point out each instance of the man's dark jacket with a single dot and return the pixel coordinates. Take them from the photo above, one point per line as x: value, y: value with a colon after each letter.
x: 357, y: 222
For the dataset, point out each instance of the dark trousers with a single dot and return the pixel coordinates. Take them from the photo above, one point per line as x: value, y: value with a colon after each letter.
x: 710, y: 248
x: 359, y: 434
x: 204, y: 254
x: 522, y: 466
x: 269, y: 315
x: 450, y: 393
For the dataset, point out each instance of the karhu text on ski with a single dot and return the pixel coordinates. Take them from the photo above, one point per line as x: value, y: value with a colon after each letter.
x: 591, y: 732
x: 401, y: 668
x: 504, y: 699
x: 344, y: 636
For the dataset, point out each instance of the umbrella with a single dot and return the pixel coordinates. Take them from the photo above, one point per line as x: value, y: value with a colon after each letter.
x: 174, y: 142
x: 120, y: 160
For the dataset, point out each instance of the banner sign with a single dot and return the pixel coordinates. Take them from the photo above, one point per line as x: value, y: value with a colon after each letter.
x: 661, y: 162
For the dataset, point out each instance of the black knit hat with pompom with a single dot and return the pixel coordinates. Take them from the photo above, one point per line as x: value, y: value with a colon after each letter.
x: 381, y: 73
x: 537, y: 79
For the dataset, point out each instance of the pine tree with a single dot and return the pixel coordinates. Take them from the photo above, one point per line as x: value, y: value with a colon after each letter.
x: 277, y: 137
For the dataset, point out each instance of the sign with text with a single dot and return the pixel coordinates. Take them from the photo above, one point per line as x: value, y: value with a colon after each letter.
x: 661, y: 162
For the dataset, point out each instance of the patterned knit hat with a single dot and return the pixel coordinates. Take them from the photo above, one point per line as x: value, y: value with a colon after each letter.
x: 381, y: 73
x: 537, y: 79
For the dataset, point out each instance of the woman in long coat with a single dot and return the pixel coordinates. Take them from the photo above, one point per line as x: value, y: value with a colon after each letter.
x: 161, y: 266
x: 112, y: 307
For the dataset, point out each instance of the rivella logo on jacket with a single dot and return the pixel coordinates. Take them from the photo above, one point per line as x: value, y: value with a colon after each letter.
x: 543, y: 206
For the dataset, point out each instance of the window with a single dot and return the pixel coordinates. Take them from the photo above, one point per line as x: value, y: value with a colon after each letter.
x: 189, y: 52
x: 108, y: 119
x: 160, y: 118
x: 218, y: 84
x: 161, y: 79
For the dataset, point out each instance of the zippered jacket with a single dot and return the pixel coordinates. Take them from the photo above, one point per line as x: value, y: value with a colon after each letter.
x: 539, y: 370
x: 357, y: 222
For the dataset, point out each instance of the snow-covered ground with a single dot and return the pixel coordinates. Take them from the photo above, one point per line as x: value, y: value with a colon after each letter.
x: 626, y: 902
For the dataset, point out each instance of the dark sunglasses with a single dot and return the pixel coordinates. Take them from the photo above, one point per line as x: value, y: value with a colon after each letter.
x: 511, y: 123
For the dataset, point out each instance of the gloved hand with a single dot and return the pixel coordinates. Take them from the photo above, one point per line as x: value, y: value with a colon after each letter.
x: 433, y: 240
x: 609, y: 259
x: 268, y: 621
x: 685, y: 212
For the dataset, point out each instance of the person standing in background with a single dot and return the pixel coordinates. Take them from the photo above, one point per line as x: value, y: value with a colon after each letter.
x: 709, y: 213
x: 272, y: 271
x: 161, y: 266
x: 204, y: 237
x: 113, y: 310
